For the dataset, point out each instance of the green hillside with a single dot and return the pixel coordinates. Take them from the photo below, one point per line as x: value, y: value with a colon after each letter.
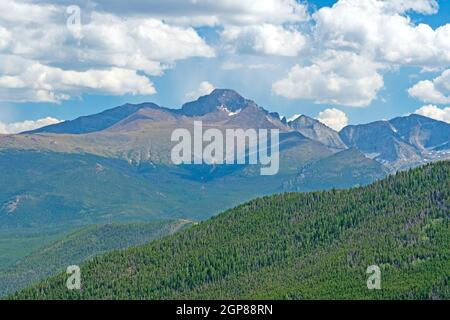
x: 292, y: 246
x: 55, y: 189
x: 49, y: 194
x: 345, y: 169
x: 48, y: 188
x: 80, y: 246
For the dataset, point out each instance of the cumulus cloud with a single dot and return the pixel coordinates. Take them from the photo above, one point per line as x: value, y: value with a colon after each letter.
x: 266, y: 39
x: 41, y: 60
x: 142, y: 44
x: 342, y: 78
x: 5, y: 38
x: 434, y: 112
x: 333, y: 118
x: 205, y: 12
x: 293, y: 117
x: 354, y: 41
x: 351, y: 43
x: 203, y: 89
x: 17, y: 11
x: 267, y: 25
x: 28, y: 125
x: 381, y: 30
x: 24, y: 80
x: 433, y: 91
x: 420, y: 6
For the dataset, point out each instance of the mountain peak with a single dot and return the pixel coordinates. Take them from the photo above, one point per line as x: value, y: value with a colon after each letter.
x: 415, y: 118
x: 422, y: 132
x: 316, y: 130
x: 303, y: 120
x: 225, y: 93
x: 380, y: 140
x: 218, y: 98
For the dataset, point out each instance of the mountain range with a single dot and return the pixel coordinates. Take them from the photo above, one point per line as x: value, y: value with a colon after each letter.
x: 141, y: 133
x: 115, y: 166
x: 118, y: 163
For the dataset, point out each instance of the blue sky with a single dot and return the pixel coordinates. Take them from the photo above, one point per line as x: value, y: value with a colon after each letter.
x: 295, y: 57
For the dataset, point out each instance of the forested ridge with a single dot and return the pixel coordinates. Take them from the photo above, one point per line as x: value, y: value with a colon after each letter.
x: 291, y: 246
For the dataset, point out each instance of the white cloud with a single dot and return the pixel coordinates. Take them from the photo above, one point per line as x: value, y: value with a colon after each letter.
x: 42, y: 61
x: 203, y: 89
x: 140, y: 43
x: 434, y: 112
x: 433, y: 91
x: 17, y: 11
x: 420, y: 6
x: 207, y: 12
x: 342, y: 78
x: 145, y: 44
x: 28, y: 125
x: 353, y: 41
x: 27, y: 80
x: 5, y: 37
x: 350, y: 42
x: 333, y: 118
x: 293, y: 117
x: 266, y: 39
x: 382, y: 31
x: 266, y: 24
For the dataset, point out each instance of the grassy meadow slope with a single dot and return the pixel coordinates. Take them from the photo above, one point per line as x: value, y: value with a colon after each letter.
x: 291, y: 246
x: 79, y: 246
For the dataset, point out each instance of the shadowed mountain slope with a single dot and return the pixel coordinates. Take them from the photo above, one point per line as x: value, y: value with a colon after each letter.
x: 317, y: 131
x: 422, y: 132
x: 379, y: 140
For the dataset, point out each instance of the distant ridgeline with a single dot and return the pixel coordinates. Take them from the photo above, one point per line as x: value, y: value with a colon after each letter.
x: 117, y: 164
x: 291, y: 246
